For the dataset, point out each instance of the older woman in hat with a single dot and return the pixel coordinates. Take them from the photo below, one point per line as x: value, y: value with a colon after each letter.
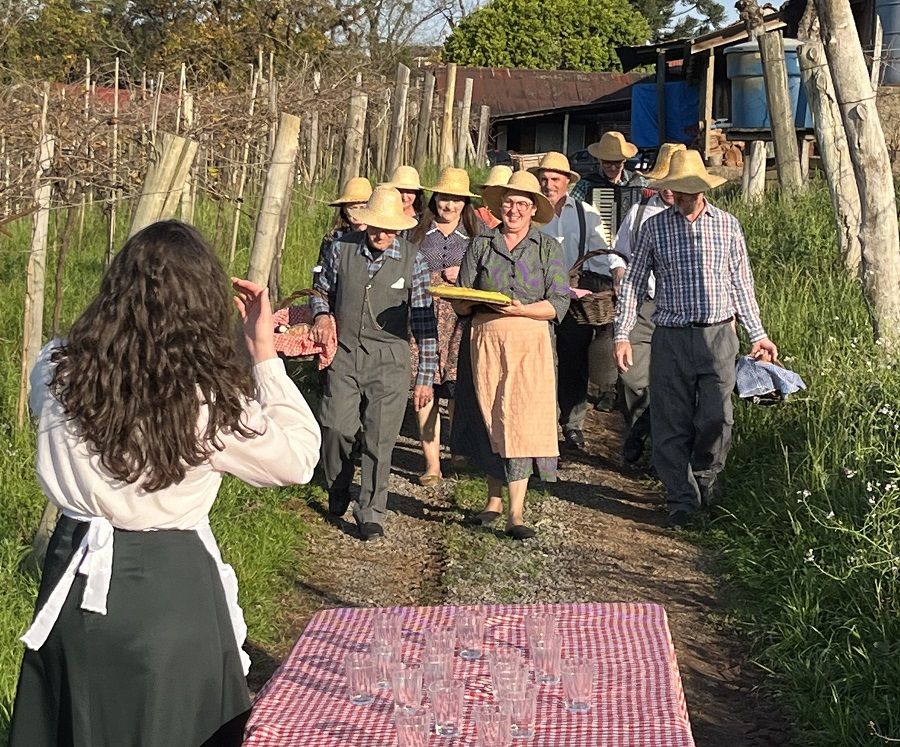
x: 506, y: 389
x: 703, y: 281
x: 447, y: 226
x: 406, y: 181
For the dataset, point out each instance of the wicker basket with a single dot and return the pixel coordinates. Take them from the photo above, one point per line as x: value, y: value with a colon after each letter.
x: 286, y: 303
x: 599, y: 307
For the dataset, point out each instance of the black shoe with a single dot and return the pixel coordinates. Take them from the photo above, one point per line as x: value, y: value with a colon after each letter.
x: 574, y: 438
x: 370, y: 531
x: 520, y: 532
x: 680, y: 518
x: 486, y: 518
x: 605, y: 402
x: 338, y: 503
x: 632, y: 449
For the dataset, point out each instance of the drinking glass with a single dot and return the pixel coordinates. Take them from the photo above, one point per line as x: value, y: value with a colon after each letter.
x: 406, y: 684
x: 361, y: 671
x: 386, y: 656
x: 492, y: 726
x: 436, y: 666
x: 508, y: 677
x: 521, y: 707
x: 545, y: 655
x: 413, y: 727
x: 387, y: 627
x: 504, y: 655
x: 439, y: 640
x: 539, y: 625
x: 578, y: 684
x: 447, y: 702
x: 470, y: 629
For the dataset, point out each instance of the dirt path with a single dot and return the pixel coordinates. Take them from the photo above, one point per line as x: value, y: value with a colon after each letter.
x: 601, y: 538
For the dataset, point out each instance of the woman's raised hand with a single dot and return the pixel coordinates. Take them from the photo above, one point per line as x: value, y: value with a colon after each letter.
x: 252, y: 302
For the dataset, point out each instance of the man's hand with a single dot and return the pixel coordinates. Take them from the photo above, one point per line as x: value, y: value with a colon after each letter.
x: 764, y: 350
x: 323, y: 330
x: 624, y: 357
x: 422, y: 395
x: 618, y: 273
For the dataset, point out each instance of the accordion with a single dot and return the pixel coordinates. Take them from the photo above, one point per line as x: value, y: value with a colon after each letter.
x: 613, y: 204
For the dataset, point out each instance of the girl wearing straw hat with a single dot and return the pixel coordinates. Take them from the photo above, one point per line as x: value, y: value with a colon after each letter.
x: 505, y: 419
x: 376, y: 286
x: 442, y: 236
x: 405, y: 180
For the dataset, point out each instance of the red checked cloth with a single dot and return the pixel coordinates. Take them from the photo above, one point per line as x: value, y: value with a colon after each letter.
x: 296, y: 345
x: 638, y: 698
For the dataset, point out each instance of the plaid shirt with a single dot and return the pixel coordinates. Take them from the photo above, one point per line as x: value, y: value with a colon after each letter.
x: 421, y: 316
x: 702, y: 273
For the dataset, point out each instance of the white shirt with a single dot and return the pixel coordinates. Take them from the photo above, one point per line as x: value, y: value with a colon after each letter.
x: 626, y: 237
x: 285, y: 453
x: 565, y: 229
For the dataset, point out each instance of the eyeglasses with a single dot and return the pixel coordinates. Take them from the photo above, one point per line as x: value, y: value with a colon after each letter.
x: 521, y: 206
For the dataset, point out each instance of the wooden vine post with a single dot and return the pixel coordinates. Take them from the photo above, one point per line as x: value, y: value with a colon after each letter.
x: 465, y: 118
x: 161, y: 192
x: 353, y: 136
x: 879, y: 242
x: 445, y: 153
x: 423, y: 128
x: 398, y: 119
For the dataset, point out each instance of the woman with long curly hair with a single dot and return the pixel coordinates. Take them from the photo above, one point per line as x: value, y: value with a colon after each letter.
x: 142, y: 408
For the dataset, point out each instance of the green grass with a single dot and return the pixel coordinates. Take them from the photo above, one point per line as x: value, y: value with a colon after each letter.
x: 810, y: 545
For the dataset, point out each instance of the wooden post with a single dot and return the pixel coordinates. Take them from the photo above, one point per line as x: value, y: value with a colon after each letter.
x: 484, y: 128
x: 565, y: 134
x: 170, y: 163
x: 398, y: 119
x: 313, y: 161
x: 277, y: 191
x: 154, y: 119
x: 465, y: 123
x: 190, y: 184
x: 424, y: 126
x: 445, y: 153
x: 114, y: 170
x: 754, y: 176
x: 661, y: 96
x: 381, y: 135
x: 181, y: 81
x: 707, y: 87
x: 353, y: 136
x: 33, y: 322
x: 242, y: 176
x: 876, y: 54
x: 879, y: 244
x: 834, y: 152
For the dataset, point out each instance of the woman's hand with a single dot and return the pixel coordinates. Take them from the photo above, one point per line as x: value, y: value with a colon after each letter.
x: 422, y: 395
x: 516, y: 308
x: 450, y: 274
x: 324, y: 330
x: 252, y: 302
x: 541, y: 311
x: 462, y: 308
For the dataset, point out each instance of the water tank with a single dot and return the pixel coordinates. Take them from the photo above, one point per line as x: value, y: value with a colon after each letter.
x: 889, y: 13
x: 749, y: 109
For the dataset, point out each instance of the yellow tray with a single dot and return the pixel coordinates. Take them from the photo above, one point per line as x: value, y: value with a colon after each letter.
x: 469, y: 294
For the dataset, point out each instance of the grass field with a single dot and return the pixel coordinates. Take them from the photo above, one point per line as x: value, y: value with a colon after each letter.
x: 809, y: 543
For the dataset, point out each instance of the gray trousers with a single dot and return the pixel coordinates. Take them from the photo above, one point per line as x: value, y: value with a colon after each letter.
x: 634, y: 385
x: 691, y: 377
x: 367, y: 390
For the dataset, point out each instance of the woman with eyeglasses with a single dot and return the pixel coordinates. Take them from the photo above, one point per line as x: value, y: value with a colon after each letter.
x: 506, y: 380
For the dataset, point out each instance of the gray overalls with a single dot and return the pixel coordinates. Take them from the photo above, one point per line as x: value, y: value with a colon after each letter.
x: 368, y: 382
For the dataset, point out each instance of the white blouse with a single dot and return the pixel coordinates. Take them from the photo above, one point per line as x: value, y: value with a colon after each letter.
x: 285, y: 453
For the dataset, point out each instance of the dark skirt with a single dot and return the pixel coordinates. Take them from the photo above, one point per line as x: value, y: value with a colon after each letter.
x: 160, y: 669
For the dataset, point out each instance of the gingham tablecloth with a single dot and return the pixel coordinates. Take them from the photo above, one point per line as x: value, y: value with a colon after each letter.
x: 638, y: 700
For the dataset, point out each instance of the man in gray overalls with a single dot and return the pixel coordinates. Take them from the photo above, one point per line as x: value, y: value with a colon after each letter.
x: 373, y: 288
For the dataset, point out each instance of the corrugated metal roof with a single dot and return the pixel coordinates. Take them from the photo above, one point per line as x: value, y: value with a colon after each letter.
x: 516, y: 91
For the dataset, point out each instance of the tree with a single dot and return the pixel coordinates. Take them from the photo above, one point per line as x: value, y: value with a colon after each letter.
x: 670, y: 19
x: 546, y: 35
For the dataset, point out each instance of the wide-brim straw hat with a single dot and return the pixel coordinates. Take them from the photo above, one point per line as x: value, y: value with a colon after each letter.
x: 498, y: 176
x: 612, y: 147
x: 663, y: 159
x: 357, y: 189
x: 520, y: 181
x: 688, y: 174
x: 454, y: 182
x: 554, y: 161
x: 405, y: 177
x: 384, y: 210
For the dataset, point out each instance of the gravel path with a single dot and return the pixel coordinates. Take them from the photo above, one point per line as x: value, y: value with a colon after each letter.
x: 601, y: 537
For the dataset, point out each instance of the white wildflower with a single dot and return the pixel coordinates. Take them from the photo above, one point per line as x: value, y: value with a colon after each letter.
x: 830, y: 515
x: 848, y: 473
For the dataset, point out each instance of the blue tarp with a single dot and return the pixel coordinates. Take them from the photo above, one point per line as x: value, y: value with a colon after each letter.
x: 682, y: 106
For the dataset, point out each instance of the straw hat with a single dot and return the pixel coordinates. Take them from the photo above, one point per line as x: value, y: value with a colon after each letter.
x: 612, y: 147
x: 383, y: 210
x: 453, y: 182
x: 520, y: 181
x: 554, y: 161
x: 405, y: 177
x: 357, y: 189
x: 661, y: 167
x: 688, y: 174
x: 498, y: 176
